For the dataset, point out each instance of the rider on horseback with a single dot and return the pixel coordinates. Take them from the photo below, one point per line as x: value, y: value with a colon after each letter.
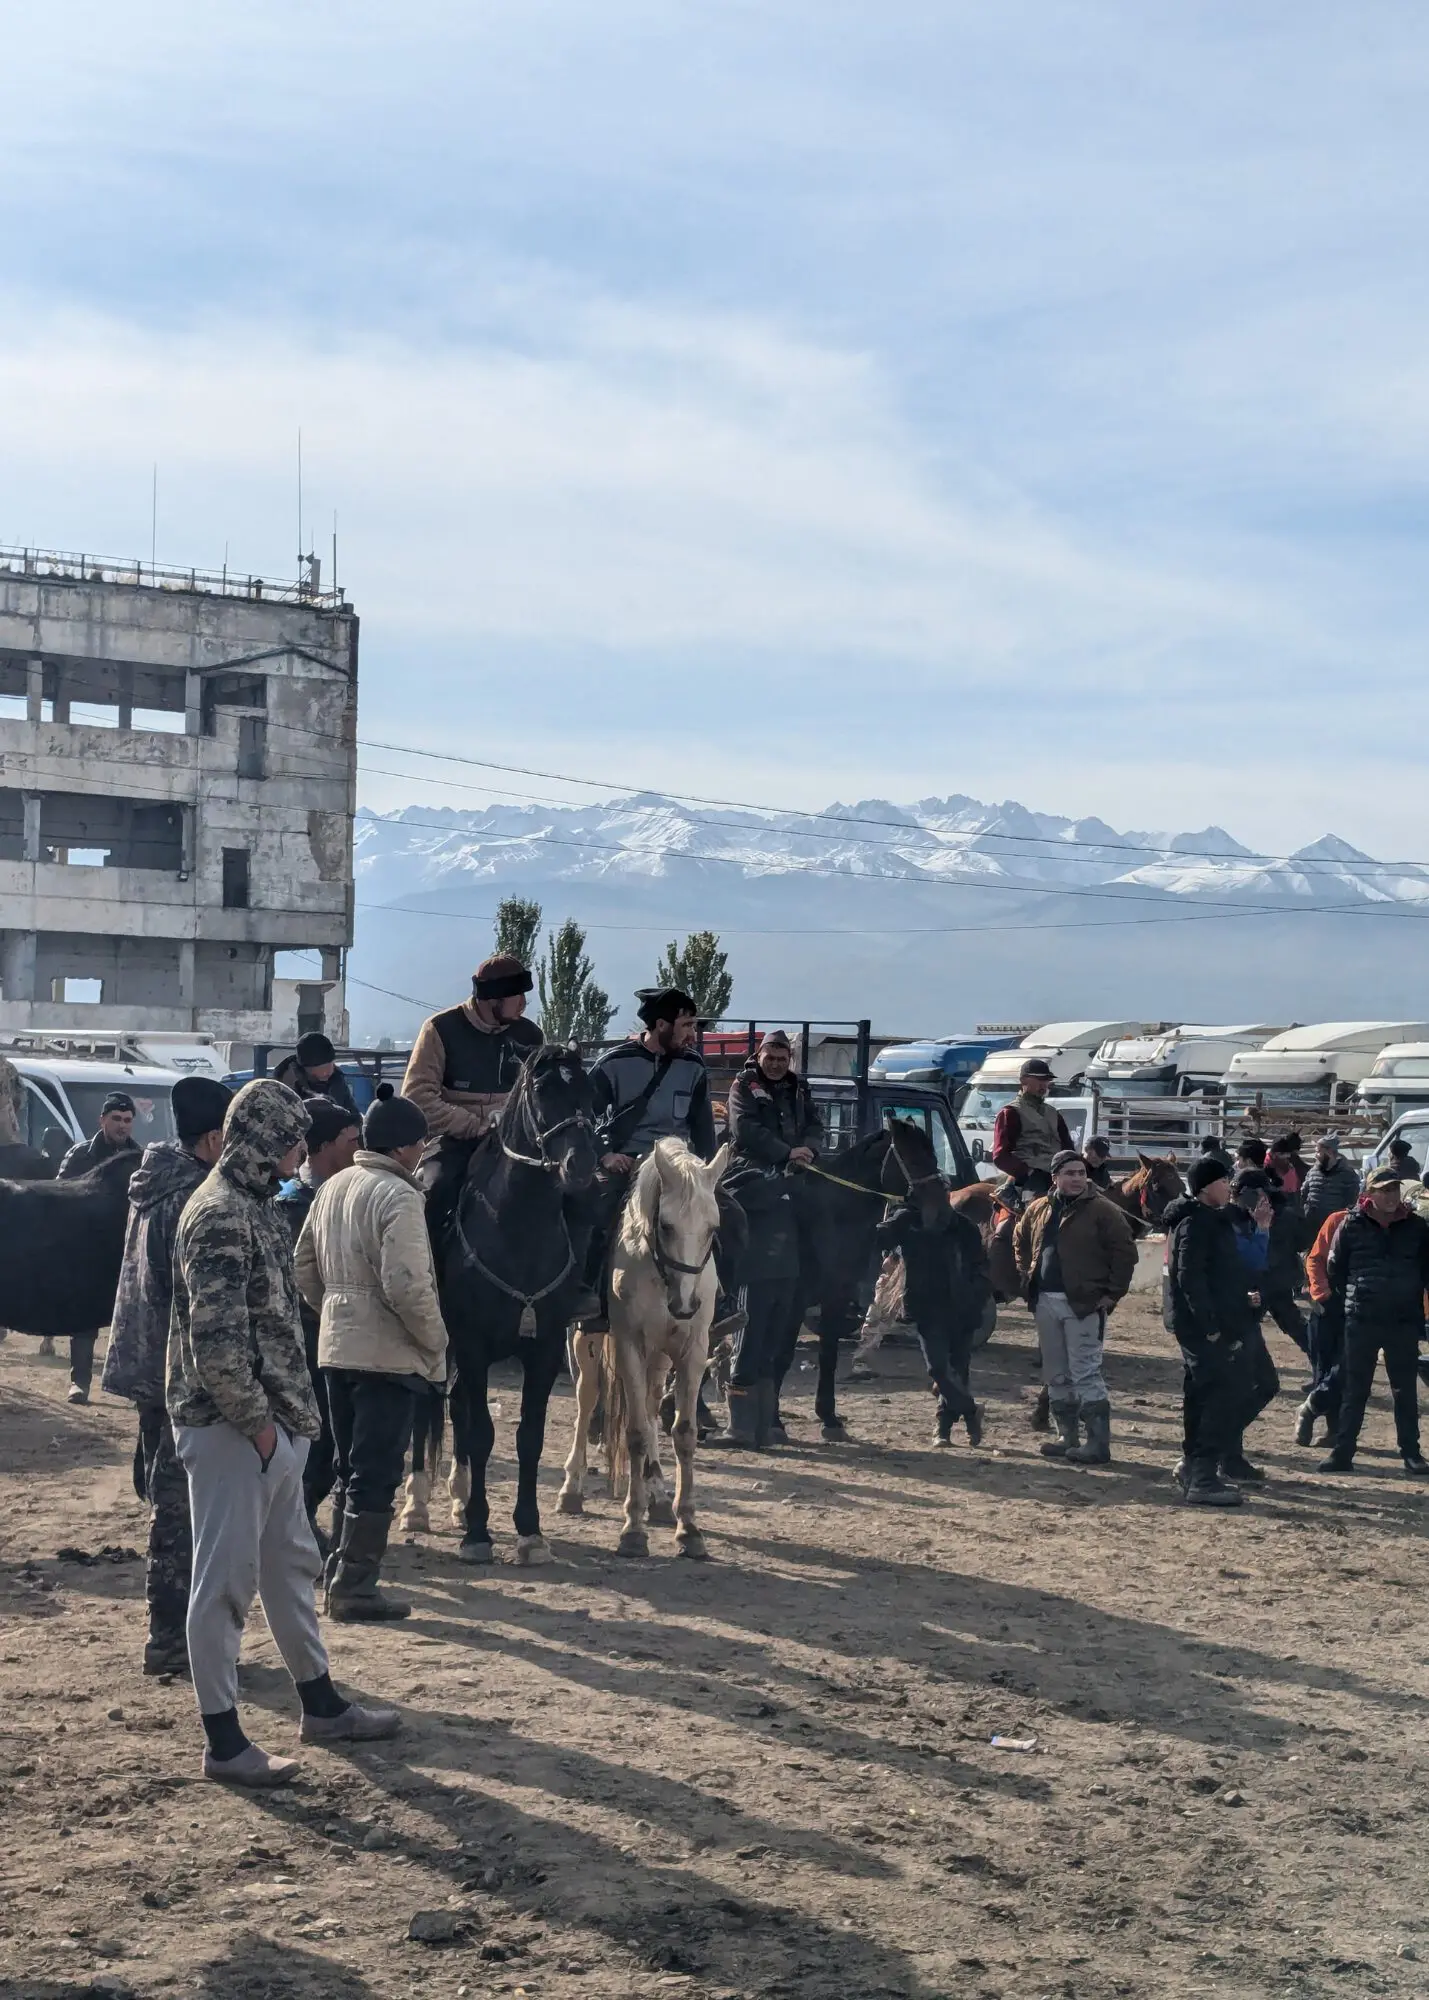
x: 462, y: 1068
x: 653, y: 1086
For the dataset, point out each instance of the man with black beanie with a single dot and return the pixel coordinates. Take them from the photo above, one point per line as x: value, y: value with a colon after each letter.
x: 138, y: 1343
x: 313, y: 1072
x: 364, y: 1265
x: 1206, y: 1306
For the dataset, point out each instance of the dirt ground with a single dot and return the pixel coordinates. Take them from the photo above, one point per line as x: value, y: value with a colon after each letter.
x: 771, y: 1774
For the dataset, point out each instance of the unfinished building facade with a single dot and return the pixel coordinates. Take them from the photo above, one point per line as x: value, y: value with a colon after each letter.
x: 178, y: 770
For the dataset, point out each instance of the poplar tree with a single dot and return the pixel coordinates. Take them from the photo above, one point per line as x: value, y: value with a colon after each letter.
x: 701, y: 970
x: 518, y: 925
x: 573, y: 1007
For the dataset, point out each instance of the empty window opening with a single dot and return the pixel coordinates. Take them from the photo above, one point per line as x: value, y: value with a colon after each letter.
x: 84, y: 857
x: 231, y: 691
x: 77, y: 992
x: 252, y: 746
x: 235, y: 878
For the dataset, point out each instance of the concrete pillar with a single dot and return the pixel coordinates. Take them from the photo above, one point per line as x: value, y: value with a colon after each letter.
x: 31, y: 804
x: 190, y: 840
x: 186, y: 979
x: 126, y: 696
x: 193, y: 704
x: 34, y: 690
x: 18, y: 951
x: 61, y: 701
x: 331, y: 955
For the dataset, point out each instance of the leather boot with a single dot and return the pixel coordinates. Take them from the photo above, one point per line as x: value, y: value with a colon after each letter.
x: 741, y: 1432
x: 353, y: 1594
x: 1064, y: 1416
x: 1097, y: 1449
x: 334, y: 1543
x: 766, y: 1410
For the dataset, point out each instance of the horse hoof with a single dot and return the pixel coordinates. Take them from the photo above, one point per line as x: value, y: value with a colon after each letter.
x: 572, y: 1501
x: 415, y: 1521
x: 475, y: 1552
x: 634, y: 1542
x: 532, y: 1551
x: 47, y: 1348
x: 692, y: 1545
x: 835, y: 1433
x: 660, y: 1512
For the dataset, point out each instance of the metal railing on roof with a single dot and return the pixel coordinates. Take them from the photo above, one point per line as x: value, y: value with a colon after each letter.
x: 223, y: 582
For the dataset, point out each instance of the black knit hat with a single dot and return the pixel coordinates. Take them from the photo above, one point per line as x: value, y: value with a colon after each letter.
x: 663, y: 1003
x: 200, y: 1104
x: 393, y: 1122
x: 329, y: 1121
x: 1206, y: 1172
x: 314, y: 1049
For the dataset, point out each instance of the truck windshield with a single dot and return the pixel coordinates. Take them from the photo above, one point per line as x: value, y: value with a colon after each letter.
x: 153, y: 1112
x: 984, y: 1101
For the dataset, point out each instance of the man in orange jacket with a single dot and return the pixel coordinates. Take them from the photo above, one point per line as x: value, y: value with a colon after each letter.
x: 1326, y: 1333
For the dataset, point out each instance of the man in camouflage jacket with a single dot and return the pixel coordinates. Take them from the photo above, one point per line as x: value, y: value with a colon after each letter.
x: 243, y: 1412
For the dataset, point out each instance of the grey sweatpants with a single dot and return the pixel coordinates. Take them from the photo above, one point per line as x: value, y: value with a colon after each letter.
x: 251, y: 1538
x: 1071, y: 1351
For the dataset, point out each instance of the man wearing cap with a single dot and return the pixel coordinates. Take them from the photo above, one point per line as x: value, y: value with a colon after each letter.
x: 1401, y: 1157
x: 333, y: 1137
x: 1378, y: 1267
x: 1076, y: 1257
x: 773, y: 1119
x: 313, y: 1072
x: 364, y: 1265
x: 1028, y: 1132
x: 168, y: 1173
x: 115, y: 1135
x: 652, y: 1086
x: 1096, y: 1156
x: 1330, y: 1184
x: 463, y: 1067
x: 1206, y: 1307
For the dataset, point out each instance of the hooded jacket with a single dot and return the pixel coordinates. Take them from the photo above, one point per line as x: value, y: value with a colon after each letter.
x: 1206, y: 1290
x: 364, y: 1265
x: 1380, y: 1268
x: 139, y: 1331
x: 235, y: 1340
x: 1326, y: 1189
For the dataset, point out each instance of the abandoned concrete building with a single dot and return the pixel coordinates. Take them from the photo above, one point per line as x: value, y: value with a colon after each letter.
x: 178, y: 770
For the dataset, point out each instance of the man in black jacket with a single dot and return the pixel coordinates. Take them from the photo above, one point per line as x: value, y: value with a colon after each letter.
x: 115, y: 1135
x: 313, y: 1072
x: 773, y: 1118
x: 1206, y: 1305
x: 1330, y: 1184
x: 1379, y: 1266
x: 947, y: 1291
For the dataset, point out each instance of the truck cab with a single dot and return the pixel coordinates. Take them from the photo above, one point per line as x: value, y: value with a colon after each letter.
x: 1174, y: 1061
x: 1314, y: 1067
x: 1066, y: 1046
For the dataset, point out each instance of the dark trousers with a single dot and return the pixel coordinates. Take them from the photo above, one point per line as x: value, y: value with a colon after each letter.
x: 81, y: 1360
x: 372, y: 1429
x: 1327, y: 1350
x: 1281, y: 1307
x: 320, y: 1472
x: 1216, y: 1393
x: 947, y: 1346
x: 443, y: 1171
x: 1365, y: 1341
x: 169, y: 1564
x: 768, y: 1303
x: 1263, y: 1382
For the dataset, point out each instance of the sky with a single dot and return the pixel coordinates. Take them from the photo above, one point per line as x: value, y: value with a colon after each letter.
x: 788, y: 401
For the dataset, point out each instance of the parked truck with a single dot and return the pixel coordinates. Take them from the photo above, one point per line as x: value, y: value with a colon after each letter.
x: 1317, y: 1067
x: 1066, y: 1046
x: 1172, y: 1061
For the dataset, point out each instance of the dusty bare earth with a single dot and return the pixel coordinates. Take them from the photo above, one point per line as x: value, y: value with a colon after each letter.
x: 771, y: 1774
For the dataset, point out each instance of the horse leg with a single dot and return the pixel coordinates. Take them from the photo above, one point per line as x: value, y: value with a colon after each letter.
x: 459, y: 1471
x: 689, y: 1374
x: 416, y: 1516
x: 585, y: 1356
x: 634, y: 1382
x: 539, y: 1370
x: 658, y: 1510
x: 834, y: 1320
x: 473, y: 1430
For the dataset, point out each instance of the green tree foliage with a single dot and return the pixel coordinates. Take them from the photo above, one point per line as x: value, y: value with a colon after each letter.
x: 518, y: 925
x: 701, y: 970
x: 573, y: 1007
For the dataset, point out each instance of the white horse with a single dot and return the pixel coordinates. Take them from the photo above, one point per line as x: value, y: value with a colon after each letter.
x: 662, y: 1303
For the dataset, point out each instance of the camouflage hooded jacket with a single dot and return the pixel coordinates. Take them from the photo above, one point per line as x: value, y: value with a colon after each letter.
x: 139, y: 1331
x: 235, y: 1339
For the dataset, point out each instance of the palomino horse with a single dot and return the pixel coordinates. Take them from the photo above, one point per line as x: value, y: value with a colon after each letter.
x: 662, y: 1302
x: 510, y: 1278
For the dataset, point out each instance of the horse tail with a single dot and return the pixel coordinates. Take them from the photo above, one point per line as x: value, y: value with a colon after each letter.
x: 617, y: 1414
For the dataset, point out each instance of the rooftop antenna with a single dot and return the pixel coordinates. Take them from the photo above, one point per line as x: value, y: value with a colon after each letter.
x: 154, y: 521
x: 334, y: 550
x: 300, y: 500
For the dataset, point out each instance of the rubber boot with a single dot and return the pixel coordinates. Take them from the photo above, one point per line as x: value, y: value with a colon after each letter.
x: 334, y: 1543
x: 742, y: 1431
x: 1041, y: 1418
x: 1064, y: 1416
x: 353, y: 1595
x: 766, y: 1409
x: 1097, y: 1449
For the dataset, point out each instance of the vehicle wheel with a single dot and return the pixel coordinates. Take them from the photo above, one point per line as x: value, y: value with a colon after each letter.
x: 989, y: 1325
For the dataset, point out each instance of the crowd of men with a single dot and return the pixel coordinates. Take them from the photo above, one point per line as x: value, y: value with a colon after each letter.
x: 278, y: 1311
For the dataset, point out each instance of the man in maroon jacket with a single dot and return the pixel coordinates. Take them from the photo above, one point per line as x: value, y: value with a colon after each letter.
x: 1029, y: 1134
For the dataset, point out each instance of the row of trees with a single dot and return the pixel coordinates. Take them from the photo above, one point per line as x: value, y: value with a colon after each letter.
x: 573, y: 1007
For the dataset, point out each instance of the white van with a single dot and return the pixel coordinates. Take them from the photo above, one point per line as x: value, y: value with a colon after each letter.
x: 1065, y: 1046
x: 1411, y: 1126
x: 1184, y: 1061
x: 1315, y: 1067
x: 63, y: 1095
x: 1398, y: 1082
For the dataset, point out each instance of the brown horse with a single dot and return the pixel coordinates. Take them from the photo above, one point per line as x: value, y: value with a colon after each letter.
x: 1147, y: 1193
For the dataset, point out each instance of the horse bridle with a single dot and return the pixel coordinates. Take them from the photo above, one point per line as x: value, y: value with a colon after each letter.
x: 669, y: 1266
x: 923, y: 1180
x: 541, y: 1158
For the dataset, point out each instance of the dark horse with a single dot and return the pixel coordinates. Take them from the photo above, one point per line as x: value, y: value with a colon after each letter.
x: 840, y: 1203
x: 510, y: 1278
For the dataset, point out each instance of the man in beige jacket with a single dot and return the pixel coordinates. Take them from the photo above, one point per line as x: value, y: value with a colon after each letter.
x: 364, y: 1265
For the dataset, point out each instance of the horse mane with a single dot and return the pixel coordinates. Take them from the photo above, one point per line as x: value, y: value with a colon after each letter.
x: 643, y: 1208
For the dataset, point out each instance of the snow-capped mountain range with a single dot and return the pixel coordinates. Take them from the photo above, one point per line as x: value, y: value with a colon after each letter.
x: 874, y: 906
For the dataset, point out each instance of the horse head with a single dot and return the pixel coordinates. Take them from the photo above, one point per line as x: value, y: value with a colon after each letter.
x: 1157, y: 1183
x: 548, y: 1120
x: 910, y: 1171
x: 679, y: 1210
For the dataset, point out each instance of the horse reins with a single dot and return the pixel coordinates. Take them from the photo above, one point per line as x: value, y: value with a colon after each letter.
x: 541, y: 1158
